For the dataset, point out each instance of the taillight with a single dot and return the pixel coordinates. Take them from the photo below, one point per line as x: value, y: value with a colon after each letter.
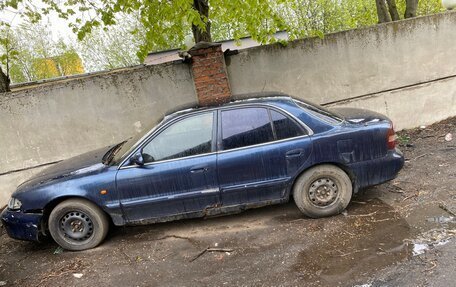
x: 391, y: 138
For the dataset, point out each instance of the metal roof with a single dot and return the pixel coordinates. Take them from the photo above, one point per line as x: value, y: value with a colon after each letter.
x: 253, y: 98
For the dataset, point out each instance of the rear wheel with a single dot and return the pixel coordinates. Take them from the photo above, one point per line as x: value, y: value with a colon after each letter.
x: 322, y: 191
x: 78, y: 224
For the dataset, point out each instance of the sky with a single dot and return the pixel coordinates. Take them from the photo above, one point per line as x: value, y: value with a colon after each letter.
x: 59, y: 27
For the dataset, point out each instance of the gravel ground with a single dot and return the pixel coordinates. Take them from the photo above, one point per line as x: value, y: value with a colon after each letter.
x: 401, y: 233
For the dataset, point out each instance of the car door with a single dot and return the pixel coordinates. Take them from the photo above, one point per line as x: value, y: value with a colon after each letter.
x: 179, y: 172
x: 259, y: 152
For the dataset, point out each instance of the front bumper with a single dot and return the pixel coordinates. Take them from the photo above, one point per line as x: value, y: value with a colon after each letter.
x: 21, y: 225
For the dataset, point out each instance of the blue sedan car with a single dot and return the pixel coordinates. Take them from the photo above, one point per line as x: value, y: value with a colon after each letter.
x: 210, y: 161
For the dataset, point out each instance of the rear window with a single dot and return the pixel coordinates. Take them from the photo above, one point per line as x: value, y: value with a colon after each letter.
x: 320, y: 112
x: 284, y: 127
x: 245, y: 127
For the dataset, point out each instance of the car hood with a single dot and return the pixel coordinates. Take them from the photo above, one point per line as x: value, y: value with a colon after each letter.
x: 75, y: 166
x: 360, y: 116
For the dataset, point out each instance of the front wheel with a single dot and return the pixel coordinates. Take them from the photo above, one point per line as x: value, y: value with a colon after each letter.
x: 78, y: 224
x: 322, y: 191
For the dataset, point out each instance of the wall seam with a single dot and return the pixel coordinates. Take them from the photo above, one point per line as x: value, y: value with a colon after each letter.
x: 28, y: 168
x: 388, y: 90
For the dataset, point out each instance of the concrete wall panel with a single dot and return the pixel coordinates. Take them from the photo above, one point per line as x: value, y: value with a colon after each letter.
x: 351, y: 63
x: 405, y: 70
x: 55, y: 122
x: 423, y: 104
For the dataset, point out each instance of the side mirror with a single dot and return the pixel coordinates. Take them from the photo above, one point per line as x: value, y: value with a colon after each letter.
x: 137, y: 159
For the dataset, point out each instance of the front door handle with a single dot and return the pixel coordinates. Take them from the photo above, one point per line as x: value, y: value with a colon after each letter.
x: 294, y: 153
x: 199, y: 169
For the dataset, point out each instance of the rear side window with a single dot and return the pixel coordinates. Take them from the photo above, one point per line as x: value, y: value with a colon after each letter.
x: 285, y: 127
x: 245, y: 127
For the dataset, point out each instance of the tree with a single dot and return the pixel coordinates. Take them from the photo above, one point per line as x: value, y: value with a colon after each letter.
x: 117, y: 33
x: 7, y: 54
x: 411, y: 7
x: 429, y: 7
x: 115, y: 47
x: 392, y: 8
x: 382, y: 11
x: 4, y: 82
x: 387, y: 10
x: 318, y: 17
x: 165, y: 21
x: 29, y: 53
x: 69, y: 63
x: 202, y: 34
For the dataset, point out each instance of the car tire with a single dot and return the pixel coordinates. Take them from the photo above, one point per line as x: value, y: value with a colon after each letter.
x: 78, y: 224
x: 322, y: 191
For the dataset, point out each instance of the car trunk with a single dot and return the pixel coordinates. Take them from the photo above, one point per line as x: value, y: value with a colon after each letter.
x: 360, y: 116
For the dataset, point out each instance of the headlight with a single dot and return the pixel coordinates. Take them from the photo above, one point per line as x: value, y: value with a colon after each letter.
x: 14, y: 204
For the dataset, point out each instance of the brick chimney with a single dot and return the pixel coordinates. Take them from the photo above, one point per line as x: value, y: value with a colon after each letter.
x: 209, y: 74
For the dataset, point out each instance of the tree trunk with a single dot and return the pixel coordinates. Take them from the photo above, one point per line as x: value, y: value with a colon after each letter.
x: 410, y: 10
x: 393, y: 10
x: 4, y: 82
x: 382, y: 11
x: 202, y: 7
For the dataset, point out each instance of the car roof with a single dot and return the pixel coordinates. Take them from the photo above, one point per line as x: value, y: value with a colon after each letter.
x: 250, y: 98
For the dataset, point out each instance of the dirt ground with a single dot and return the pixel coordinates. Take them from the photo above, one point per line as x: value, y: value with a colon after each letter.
x: 401, y: 233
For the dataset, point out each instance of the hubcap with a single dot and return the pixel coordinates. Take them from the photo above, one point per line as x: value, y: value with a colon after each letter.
x: 323, y: 192
x: 76, y: 226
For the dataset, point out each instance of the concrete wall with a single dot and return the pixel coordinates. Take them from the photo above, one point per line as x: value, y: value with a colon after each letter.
x: 362, y: 65
x: 404, y: 69
x: 413, y: 106
x: 52, y: 122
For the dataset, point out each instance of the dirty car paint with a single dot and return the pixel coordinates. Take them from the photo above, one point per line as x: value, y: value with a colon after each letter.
x: 20, y: 225
x: 217, y: 181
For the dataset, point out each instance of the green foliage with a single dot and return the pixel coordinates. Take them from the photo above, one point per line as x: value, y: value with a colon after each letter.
x: 403, y: 139
x: 115, y: 47
x: 44, y: 68
x: 166, y: 23
x: 258, y: 19
x: 427, y: 7
x: 68, y: 62
x: 8, y: 52
x: 114, y: 33
x: 318, y: 17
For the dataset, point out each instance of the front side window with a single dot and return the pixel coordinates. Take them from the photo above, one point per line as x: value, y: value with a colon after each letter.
x: 285, y: 127
x: 190, y: 136
x: 245, y: 127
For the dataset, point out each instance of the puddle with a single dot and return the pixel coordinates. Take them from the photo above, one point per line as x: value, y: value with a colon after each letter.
x: 421, y: 248
x: 369, y: 238
x: 432, y: 238
x: 442, y: 219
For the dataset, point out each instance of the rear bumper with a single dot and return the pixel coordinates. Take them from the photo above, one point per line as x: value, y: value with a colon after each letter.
x: 21, y: 225
x: 380, y: 170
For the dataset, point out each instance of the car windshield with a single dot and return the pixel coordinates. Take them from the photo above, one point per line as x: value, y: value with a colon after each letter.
x: 124, y: 148
x: 319, y: 111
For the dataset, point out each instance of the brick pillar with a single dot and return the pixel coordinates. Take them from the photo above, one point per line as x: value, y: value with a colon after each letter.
x: 209, y: 74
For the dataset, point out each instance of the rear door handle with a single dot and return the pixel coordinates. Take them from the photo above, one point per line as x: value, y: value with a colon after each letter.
x: 294, y: 153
